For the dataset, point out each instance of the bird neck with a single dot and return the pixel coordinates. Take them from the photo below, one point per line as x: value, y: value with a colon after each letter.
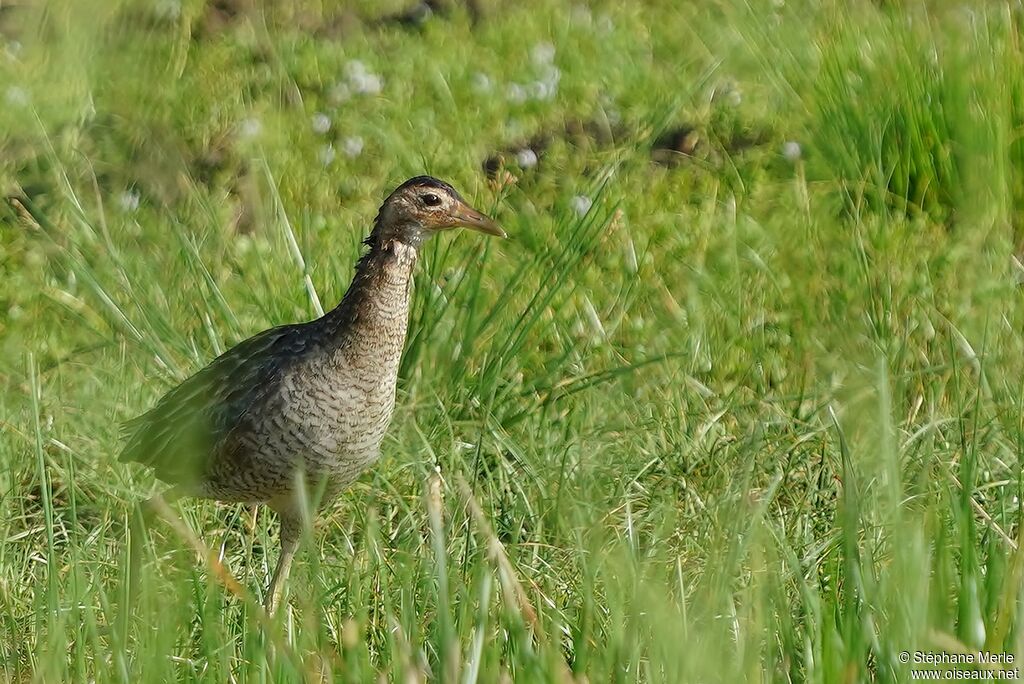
x: 370, y: 323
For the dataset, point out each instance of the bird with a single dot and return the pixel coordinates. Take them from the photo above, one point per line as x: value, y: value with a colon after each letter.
x: 306, y: 405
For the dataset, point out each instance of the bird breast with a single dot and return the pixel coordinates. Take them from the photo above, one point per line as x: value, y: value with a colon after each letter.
x: 338, y: 401
x: 338, y: 418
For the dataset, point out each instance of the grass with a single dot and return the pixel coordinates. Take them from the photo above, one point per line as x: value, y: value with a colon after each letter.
x: 748, y: 416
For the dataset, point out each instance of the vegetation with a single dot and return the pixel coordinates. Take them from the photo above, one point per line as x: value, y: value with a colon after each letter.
x: 741, y: 398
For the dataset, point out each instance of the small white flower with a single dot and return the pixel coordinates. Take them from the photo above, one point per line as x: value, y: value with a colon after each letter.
x: 243, y: 243
x: 729, y: 92
x: 15, y: 312
x: 791, y: 150
x: 129, y: 200
x: 542, y: 53
x: 581, y: 15
x: 542, y: 90
x: 360, y: 80
x: 355, y: 68
x: 517, y: 93
x: 581, y: 204
x: 339, y: 93
x: 546, y: 86
x: 16, y: 96
x: 168, y: 9
x: 552, y: 74
x: 321, y: 123
x: 326, y: 154
x: 366, y: 84
x: 352, y: 146
x: 250, y: 127
x: 482, y: 83
x: 526, y: 158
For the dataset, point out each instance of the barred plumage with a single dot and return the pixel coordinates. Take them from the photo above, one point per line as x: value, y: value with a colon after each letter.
x: 308, y: 400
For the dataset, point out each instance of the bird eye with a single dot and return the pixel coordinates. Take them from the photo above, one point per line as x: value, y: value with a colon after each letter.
x: 430, y: 199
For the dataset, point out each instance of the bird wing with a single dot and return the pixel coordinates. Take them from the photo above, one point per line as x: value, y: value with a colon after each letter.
x: 179, y: 437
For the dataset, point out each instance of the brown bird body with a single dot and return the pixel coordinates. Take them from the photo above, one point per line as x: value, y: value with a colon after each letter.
x: 304, y: 405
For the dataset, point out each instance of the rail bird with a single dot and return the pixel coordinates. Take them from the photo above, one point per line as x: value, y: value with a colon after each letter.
x: 304, y: 406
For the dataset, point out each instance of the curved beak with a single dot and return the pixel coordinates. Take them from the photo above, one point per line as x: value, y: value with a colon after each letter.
x: 467, y: 217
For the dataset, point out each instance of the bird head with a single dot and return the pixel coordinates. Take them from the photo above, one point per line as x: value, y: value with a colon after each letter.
x: 424, y: 205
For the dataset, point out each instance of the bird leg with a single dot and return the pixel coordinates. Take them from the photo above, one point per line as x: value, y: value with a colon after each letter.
x: 291, y: 533
x: 293, y: 509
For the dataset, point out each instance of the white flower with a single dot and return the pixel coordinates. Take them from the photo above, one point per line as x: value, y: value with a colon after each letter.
x: 517, y: 93
x: 321, y: 123
x: 366, y: 84
x: 547, y: 86
x: 168, y: 9
x: 361, y: 80
x: 791, y: 150
x: 250, y: 127
x: 482, y: 83
x: 16, y: 96
x: 326, y: 154
x: 542, y: 53
x: 352, y: 146
x: 581, y: 204
x: 339, y: 93
x: 355, y: 68
x: 729, y: 92
x: 552, y: 74
x: 243, y: 243
x: 581, y: 14
x: 542, y: 90
x: 526, y: 158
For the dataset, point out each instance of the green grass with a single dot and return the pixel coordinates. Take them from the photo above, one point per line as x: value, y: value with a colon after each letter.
x: 748, y: 418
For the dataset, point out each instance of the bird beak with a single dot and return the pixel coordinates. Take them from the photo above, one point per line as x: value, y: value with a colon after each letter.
x: 468, y: 217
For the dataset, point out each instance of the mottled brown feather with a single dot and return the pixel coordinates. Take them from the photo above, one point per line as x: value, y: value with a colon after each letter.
x: 311, y: 400
x: 176, y: 437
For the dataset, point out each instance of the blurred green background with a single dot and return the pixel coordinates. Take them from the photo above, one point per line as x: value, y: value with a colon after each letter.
x: 741, y: 398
